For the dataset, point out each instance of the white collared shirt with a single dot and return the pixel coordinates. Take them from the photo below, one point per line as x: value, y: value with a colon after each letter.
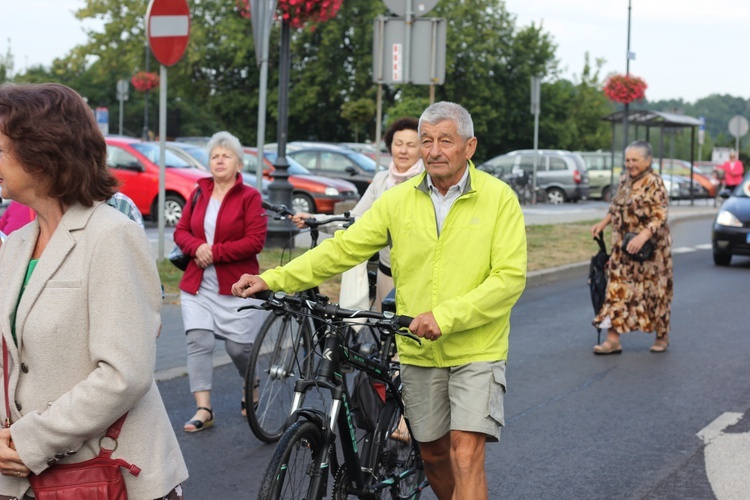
x: 442, y: 203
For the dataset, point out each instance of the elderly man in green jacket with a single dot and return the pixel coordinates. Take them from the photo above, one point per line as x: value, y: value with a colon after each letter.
x: 458, y: 257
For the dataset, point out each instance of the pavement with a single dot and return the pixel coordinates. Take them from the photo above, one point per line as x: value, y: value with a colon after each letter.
x: 171, y: 356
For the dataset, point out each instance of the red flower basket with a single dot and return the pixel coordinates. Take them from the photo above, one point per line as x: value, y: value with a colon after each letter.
x: 625, y: 88
x: 144, y: 81
x: 299, y: 12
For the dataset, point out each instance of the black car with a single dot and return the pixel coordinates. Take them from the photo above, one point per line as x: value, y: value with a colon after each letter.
x: 730, y: 234
x: 330, y: 160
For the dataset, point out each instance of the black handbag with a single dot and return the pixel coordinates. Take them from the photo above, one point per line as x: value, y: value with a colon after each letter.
x: 646, y: 251
x: 179, y: 259
x: 176, y: 257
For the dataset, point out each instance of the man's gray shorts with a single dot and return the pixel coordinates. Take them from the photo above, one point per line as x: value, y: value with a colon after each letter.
x: 460, y: 398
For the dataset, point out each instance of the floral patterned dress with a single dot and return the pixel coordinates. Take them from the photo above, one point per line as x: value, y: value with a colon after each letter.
x: 639, y: 294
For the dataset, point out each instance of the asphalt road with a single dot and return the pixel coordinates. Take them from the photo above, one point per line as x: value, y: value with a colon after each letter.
x: 579, y: 426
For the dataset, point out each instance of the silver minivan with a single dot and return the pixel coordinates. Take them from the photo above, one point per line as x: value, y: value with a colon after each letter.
x: 561, y: 174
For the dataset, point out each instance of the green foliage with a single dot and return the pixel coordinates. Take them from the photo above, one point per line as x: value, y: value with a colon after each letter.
x: 358, y: 113
x: 490, y: 60
x: 6, y: 66
x: 406, y: 106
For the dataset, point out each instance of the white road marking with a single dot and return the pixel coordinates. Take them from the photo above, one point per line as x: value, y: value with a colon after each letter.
x: 727, y: 458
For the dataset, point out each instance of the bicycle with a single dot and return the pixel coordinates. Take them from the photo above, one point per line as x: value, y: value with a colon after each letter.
x: 389, y: 464
x: 281, y: 353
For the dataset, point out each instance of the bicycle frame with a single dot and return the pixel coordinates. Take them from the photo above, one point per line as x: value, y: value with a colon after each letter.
x: 328, y: 376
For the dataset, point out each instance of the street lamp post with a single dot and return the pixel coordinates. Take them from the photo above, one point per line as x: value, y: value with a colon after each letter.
x: 280, y: 189
x: 627, y: 73
x: 145, y: 94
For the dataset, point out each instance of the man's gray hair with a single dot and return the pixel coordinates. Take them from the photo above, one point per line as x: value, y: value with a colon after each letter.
x: 643, y: 146
x: 226, y: 140
x: 444, y: 110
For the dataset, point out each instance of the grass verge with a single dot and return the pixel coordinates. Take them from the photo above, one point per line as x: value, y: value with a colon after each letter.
x: 550, y: 245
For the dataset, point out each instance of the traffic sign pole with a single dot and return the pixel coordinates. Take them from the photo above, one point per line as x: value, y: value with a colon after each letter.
x: 168, y: 29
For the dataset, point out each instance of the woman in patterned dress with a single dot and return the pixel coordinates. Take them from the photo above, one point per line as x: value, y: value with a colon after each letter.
x: 639, y: 294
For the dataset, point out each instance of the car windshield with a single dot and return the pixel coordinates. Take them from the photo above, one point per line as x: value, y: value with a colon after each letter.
x: 295, y: 167
x: 364, y: 161
x: 743, y: 190
x: 151, y: 151
x: 199, y: 154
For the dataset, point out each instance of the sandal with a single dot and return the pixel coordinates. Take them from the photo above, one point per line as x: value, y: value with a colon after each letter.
x: 198, y: 424
x: 608, y: 347
x: 660, y: 345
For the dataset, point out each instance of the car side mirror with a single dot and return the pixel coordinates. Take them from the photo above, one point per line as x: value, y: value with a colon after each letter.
x: 725, y: 193
x: 134, y: 165
x: 351, y: 170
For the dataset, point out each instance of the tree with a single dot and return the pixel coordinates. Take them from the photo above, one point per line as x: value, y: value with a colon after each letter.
x: 6, y: 66
x: 358, y: 113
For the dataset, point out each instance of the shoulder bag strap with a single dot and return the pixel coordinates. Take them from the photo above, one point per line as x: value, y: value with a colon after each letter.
x: 6, y: 424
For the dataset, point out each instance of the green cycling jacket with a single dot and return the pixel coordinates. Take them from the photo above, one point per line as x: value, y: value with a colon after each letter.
x: 469, y: 276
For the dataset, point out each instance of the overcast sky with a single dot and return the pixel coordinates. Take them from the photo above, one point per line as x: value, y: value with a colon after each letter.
x: 684, y: 48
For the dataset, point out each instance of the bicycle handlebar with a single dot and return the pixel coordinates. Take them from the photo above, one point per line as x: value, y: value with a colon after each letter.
x: 282, y: 300
x: 312, y: 223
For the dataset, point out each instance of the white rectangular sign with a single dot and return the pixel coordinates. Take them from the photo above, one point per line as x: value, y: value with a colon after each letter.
x: 397, y: 62
x: 170, y: 26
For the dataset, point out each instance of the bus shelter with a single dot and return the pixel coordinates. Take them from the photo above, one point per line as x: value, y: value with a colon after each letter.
x: 659, y: 120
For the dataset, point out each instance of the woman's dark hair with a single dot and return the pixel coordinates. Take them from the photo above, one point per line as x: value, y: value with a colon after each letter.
x: 54, y: 136
x: 406, y: 123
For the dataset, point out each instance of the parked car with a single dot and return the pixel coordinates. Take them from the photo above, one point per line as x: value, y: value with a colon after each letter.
x: 678, y: 187
x: 198, y: 156
x: 311, y: 193
x: 602, y: 181
x: 330, y: 160
x: 730, y: 233
x: 369, y: 150
x: 561, y: 174
x: 136, y: 165
x: 682, y: 168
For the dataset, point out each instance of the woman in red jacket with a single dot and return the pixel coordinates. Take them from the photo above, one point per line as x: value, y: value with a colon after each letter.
x: 733, y: 171
x: 223, y: 228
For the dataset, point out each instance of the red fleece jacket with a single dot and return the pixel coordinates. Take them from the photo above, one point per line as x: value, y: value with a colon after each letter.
x: 240, y: 234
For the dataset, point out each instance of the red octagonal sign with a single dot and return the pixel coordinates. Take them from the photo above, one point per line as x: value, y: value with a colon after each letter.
x: 168, y: 28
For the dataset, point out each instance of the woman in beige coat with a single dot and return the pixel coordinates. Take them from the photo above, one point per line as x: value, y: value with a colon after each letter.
x: 80, y: 304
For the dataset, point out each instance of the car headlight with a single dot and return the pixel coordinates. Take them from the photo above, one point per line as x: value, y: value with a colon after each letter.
x: 331, y: 191
x: 727, y: 218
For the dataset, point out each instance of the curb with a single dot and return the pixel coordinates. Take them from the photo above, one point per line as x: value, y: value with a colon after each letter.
x: 580, y: 269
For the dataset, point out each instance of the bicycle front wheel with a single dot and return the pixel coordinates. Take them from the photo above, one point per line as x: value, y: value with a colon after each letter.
x: 290, y: 473
x: 396, y: 463
x: 282, y: 353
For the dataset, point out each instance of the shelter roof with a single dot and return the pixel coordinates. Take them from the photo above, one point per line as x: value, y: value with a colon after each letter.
x: 650, y: 118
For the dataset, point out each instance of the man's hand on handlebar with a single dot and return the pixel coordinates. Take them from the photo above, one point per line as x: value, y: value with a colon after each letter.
x: 426, y: 327
x: 299, y: 219
x: 248, y: 286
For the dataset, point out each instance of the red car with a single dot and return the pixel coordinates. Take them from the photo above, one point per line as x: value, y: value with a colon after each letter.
x: 136, y: 165
x: 311, y: 193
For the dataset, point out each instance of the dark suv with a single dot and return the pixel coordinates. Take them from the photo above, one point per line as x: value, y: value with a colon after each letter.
x: 329, y: 160
x: 561, y: 174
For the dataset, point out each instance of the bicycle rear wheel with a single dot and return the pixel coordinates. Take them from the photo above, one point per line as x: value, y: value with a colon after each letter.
x: 396, y: 463
x: 292, y: 466
x: 282, y: 353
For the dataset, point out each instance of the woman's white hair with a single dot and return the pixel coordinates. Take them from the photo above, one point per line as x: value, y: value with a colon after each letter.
x: 226, y: 140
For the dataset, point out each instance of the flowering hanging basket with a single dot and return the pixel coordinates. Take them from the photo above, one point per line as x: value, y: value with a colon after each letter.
x: 299, y: 12
x: 625, y: 88
x: 144, y: 81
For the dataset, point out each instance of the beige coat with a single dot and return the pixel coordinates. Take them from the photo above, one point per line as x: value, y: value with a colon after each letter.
x: 86, y: 327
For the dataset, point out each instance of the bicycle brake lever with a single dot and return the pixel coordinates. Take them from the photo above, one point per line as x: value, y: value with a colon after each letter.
x: 407, y: 333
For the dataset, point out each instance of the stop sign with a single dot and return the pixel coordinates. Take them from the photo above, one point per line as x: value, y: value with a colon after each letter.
x: 168, y: 28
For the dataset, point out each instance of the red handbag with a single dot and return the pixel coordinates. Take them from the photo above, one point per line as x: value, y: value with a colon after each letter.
x: 99, y: 478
